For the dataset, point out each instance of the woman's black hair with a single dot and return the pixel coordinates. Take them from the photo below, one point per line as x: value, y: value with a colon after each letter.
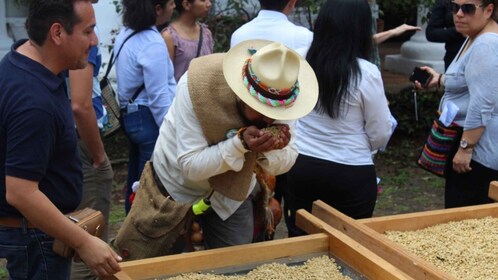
x: 485, y: 3
x: 140, y: 14
x: 342, y: 34
x: 179, y: 7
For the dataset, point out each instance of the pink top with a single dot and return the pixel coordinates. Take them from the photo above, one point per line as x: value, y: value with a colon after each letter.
x: 186, y: 50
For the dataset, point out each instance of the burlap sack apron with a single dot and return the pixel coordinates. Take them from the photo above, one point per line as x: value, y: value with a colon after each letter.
x: 154, y: 223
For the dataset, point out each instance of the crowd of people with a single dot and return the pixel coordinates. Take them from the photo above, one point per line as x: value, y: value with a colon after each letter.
x: 209, y: 131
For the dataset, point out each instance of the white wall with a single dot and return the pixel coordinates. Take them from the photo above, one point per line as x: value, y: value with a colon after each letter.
x: 107, y: 20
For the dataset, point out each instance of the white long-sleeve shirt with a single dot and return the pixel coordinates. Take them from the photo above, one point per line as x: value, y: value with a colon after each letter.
x: 144, y: 60
x: 363, y: 127
x: 184, y: 161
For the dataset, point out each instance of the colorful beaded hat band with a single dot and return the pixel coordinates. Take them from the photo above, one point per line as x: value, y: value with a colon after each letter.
x: 265, y: 94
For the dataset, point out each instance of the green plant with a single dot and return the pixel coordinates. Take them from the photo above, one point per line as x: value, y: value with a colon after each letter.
x: 403, y: 109
x: 227, y: 18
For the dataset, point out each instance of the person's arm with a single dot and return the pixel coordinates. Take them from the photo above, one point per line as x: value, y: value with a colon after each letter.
x: 81, y: 90
x: 482, y: 99
x: 170, y: 43
x: 196, y: 158
x: 375, y: 110
x: 383, y: 36
x: 156, y: 73
x: 26, y: 197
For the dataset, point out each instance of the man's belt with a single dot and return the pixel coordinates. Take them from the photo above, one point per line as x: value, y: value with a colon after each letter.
x: 15, y: 222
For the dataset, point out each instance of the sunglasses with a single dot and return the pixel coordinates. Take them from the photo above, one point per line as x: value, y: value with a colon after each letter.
x: 467, y: 8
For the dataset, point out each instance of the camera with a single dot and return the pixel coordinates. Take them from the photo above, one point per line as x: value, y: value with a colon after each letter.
x: 422, y: 76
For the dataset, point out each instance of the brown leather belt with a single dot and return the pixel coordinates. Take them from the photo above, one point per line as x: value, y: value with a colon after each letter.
x: 14, y: 222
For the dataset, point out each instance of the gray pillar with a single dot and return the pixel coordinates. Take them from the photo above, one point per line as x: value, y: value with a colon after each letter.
x: 417, y: 51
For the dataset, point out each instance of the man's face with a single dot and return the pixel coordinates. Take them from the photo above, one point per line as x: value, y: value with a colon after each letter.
x: 252, y: 116
x: 78, y: 44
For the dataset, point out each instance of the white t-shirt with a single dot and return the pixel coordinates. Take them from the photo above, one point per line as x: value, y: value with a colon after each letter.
x: 274, y: 26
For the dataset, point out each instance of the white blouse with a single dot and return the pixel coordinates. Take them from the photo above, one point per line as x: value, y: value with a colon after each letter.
x: 363, y: 127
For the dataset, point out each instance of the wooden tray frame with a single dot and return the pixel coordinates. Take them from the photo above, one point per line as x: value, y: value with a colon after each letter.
x: 328, y: 241
x: 369, y: 232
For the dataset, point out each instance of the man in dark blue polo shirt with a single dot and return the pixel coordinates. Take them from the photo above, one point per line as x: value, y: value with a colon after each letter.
x: 40, y: 171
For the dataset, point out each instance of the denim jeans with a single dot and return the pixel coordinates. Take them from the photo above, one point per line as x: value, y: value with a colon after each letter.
x: 29, y: 255
x: 142, y: 131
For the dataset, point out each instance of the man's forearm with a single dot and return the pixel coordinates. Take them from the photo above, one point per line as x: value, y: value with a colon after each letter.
x: 81, y: 89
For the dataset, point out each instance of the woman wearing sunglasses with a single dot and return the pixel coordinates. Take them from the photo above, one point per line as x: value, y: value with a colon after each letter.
x: 471, y: 84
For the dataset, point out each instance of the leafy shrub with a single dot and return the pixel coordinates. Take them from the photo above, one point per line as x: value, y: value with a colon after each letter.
x: 403, y: 109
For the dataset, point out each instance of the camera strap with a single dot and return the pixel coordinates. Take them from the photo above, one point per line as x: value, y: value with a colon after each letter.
x: 414, y: 91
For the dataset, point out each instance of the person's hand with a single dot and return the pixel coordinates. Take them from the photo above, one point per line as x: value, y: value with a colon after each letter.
x: 261, y: 140
x: 404, y: 28
x: 257, y: 140
x: 434, y: 80
x: 99, y: 257
x: 461, y: 161
x: 283, y: 137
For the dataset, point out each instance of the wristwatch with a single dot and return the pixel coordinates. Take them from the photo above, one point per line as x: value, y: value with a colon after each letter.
x: 466, y: 145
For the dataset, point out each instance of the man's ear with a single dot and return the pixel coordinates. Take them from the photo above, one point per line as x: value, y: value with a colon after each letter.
x: 56, y: 32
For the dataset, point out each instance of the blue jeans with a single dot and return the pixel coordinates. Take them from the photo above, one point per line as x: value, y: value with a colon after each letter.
x: 142, y: 131
x: 29, y: 255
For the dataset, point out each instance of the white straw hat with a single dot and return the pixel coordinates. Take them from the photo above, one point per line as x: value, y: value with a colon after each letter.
x: 271, y: 79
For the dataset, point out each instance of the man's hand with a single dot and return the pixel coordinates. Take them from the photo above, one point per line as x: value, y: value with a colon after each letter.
x: 99, y: 257
x: 259, y: 140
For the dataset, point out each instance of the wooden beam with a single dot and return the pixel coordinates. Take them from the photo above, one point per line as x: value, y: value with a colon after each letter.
x: 398, y: 256
x: 225, y: 257
x: 349, y: 251
x: 493, y: 190
x: 420, y: 220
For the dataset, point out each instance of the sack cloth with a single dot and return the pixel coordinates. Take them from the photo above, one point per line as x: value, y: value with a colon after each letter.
x: 154, y: 223
x: 206, y: 75
x: 92, y: 221
x: 112, y: 107
x: 440, y: 147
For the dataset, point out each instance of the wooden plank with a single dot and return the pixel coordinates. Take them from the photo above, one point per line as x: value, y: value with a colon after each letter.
x: 119, y: 276
x: 493, y: 190
x: 350, y: 251
x: 225, y: 257
x: 398, y: 256
x: 419, y: 220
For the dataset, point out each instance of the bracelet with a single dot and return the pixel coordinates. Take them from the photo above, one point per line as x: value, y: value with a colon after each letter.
x: 439, y: 81
x: 240, y: 135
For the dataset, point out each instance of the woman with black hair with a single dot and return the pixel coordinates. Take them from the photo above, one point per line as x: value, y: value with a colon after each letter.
x: 351, y: 120
x: 146, y: 83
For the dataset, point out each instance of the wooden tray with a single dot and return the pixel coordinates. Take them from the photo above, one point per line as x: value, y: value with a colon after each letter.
x: 330, y: 241
x: 370, y: 232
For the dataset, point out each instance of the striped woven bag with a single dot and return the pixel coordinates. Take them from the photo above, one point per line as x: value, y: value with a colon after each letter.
x: 441, y: 144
